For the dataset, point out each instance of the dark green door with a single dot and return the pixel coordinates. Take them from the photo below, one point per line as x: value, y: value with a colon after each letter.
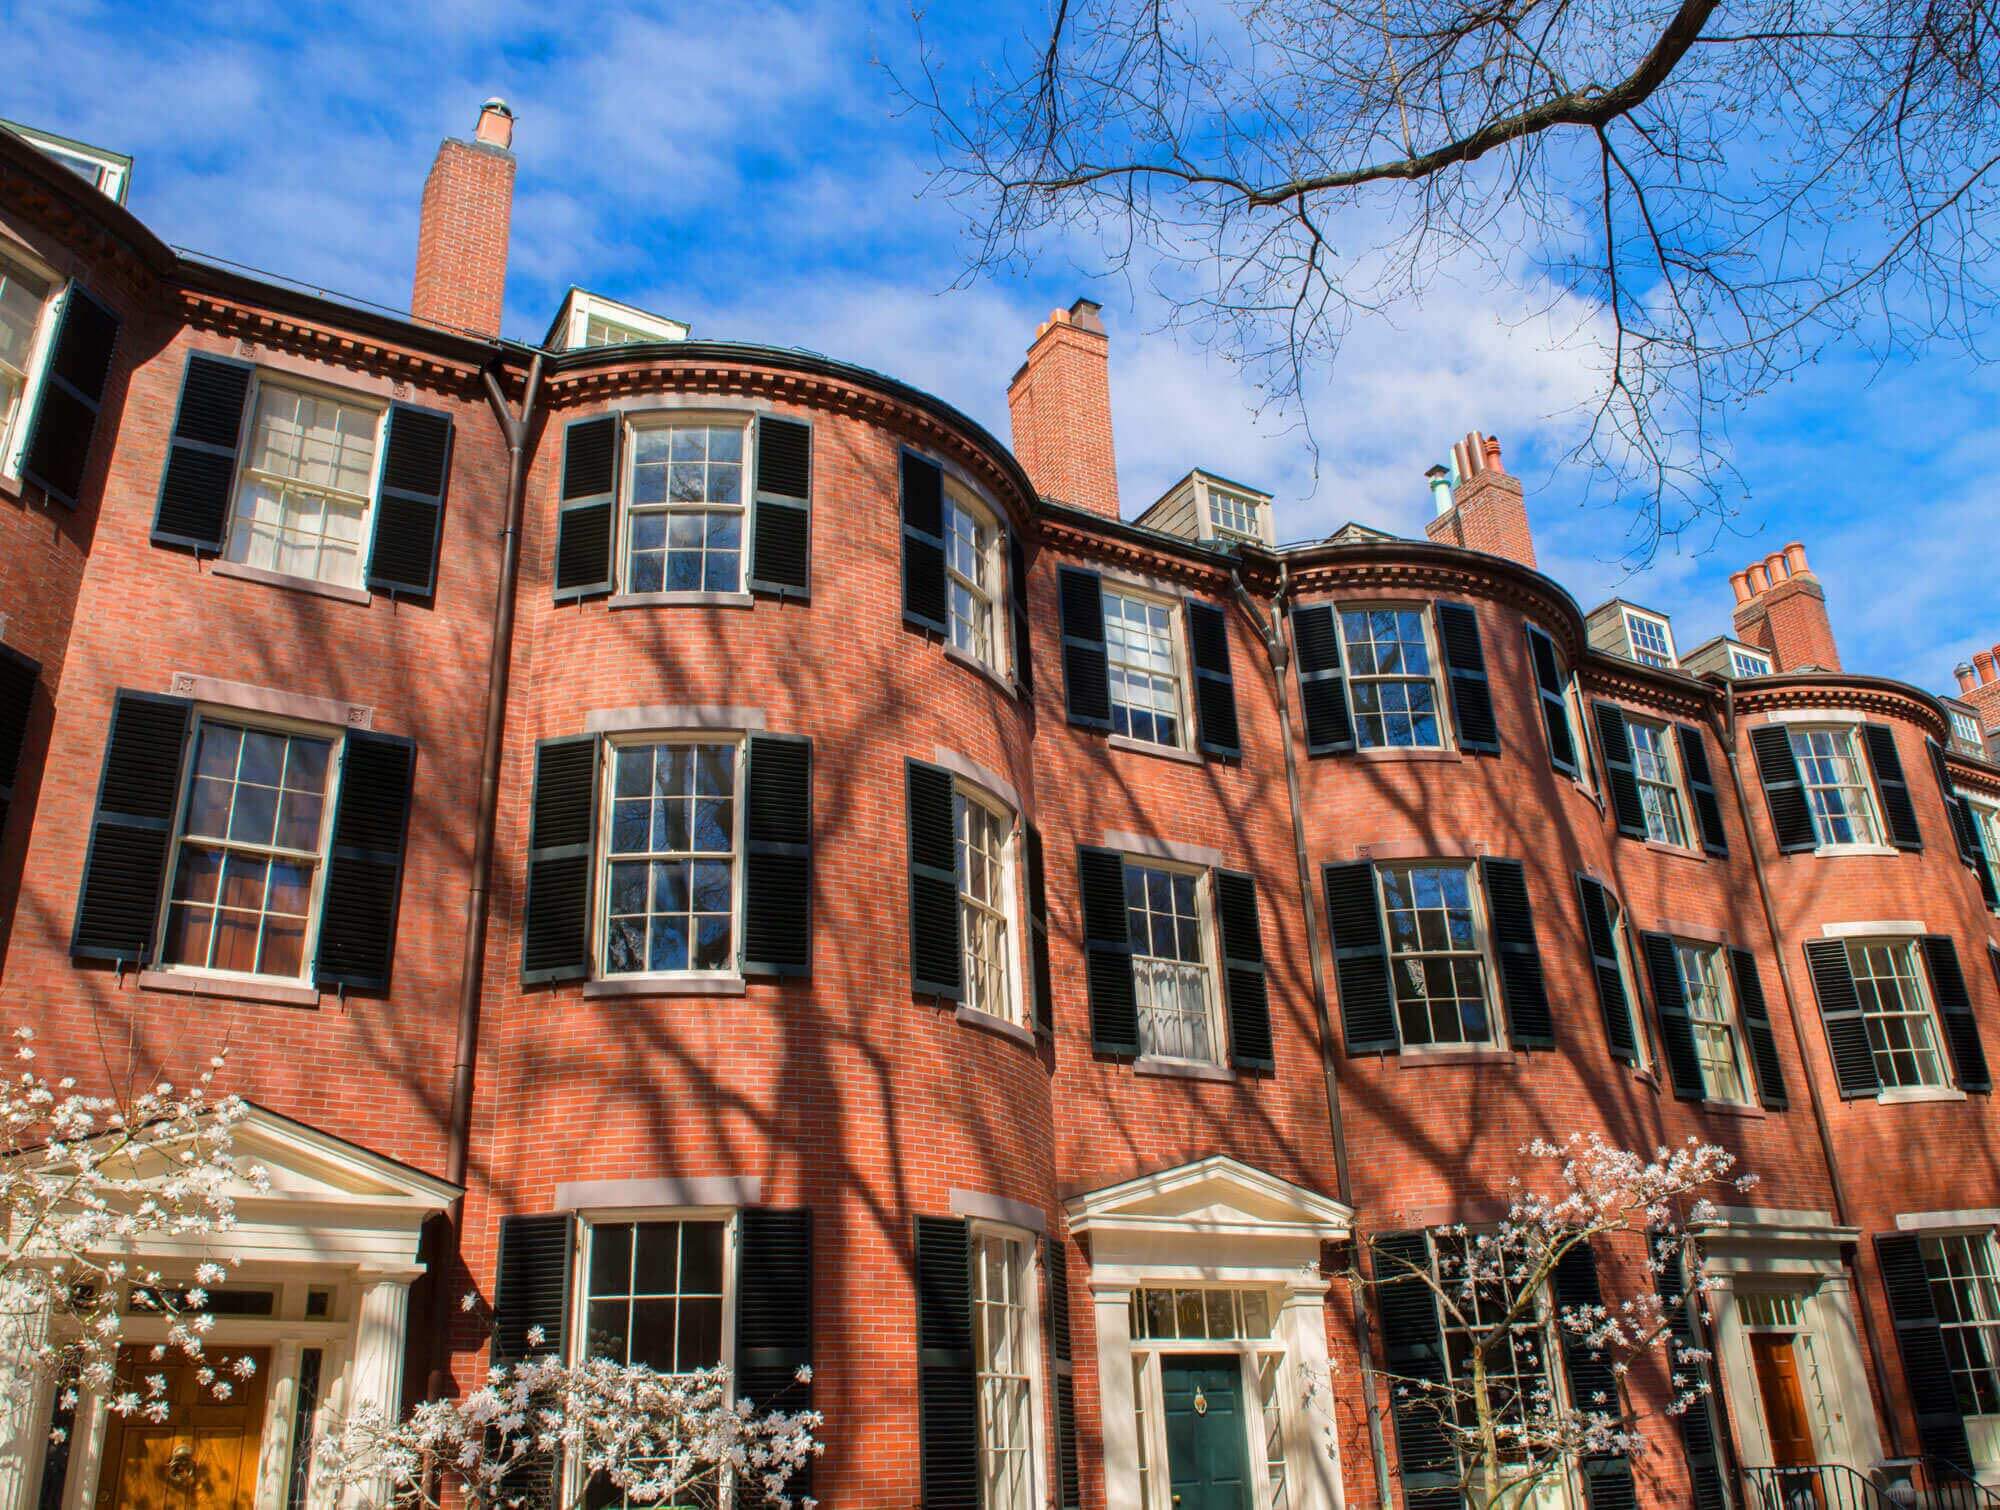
x: 1207, y: 1455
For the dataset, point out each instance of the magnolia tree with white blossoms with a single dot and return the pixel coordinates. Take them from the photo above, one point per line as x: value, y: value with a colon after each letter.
x: 88, y: 1183
x: 1493, y: 1399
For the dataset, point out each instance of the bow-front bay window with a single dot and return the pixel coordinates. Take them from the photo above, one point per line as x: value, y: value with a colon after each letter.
x: 684, y: 518
x: 672, y: 834
x: 1836, y: 785
x: 1170, y: 973
x: 1436, y: 955
x: 307, y: 482
x: 973, y: 576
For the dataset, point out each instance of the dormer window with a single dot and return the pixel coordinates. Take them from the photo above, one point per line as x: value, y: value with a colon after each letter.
x: 586, y: 320
x: 1965, y: 730
x: 1234, y: 515
x: 104, y: 171
x: 1651, y: 638
x: 1747, y: 662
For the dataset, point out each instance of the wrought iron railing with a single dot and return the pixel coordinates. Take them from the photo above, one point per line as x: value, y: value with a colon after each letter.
x: 1946, y: 1486
x: 1814, y: 1486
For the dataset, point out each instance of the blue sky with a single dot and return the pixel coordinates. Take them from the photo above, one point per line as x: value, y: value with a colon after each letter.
x: 747, y: 167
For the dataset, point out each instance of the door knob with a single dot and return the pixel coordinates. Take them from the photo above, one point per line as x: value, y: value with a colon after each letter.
x: 180, y: 1467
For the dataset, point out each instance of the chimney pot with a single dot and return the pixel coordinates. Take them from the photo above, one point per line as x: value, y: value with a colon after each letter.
x: 1440, y: 480
x: 496, y: 124
x: 1760, y: 578
x: 1966, y: 679
x: 1739, y: 583
x: 1493, y: 454
x: 1775, y: 565
x: 1984, y: 661
x: 1795, y: 558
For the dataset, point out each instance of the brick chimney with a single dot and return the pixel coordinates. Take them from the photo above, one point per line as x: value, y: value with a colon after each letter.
x: 462, y: 236
x: 1060, y: 403
x: 1979, y: 687
x: 1780, y: 607
x: 1487, y: 511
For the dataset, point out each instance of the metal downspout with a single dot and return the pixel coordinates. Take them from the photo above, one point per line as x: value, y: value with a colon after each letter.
x: 1279, y: 655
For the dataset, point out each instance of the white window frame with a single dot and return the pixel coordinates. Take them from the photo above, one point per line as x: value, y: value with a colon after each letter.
x: 1849, y: 734
x: 1030, y: 1279
x: 1746, y: 660
x: 582, y: 306
x: 1984, y: 1426
x: 1211, y: 986
x: 1916, y: 973
x: 996, y: 595
x: 1482, y: 949
x: 336, y: 761
x: 637, y: 421
x: 1440, y: 692
x: 604, y: 858
x: 1666, y: 751
x: 1633, y: 618
x: 1015, y: 998
x: 1985, y: 816
x: 244, y: 473
x: 1579, y: 731
x: 111, y: 169
x: 14, y: 426
x: 1627, y: 956
x: 1730, y: 1021
x: 1965, y: 731
x: 1176, y: 645
x: 1234, y: 500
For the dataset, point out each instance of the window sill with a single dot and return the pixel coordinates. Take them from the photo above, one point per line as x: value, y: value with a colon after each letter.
x: 1133, y: 746
x: 1415, y: 754
x: 986, y: 1022
x: 1182, y: 1069
x: 1735, y: 1109
x: 12, y: 487
x: 284, y: 579
x: 1913, y: 1095
x: 189, y: 983
x: 1457, y: 1054
x: 680, y: 599
x: 663, y: 985
x: 974, y: 663
x: 1678, y: 851
x: 1836, y: 851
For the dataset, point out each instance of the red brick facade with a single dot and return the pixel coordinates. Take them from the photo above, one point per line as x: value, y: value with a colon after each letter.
x: 843, y: 1092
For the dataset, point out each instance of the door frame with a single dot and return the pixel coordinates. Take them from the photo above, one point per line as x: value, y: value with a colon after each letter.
x: 1249, y: 1355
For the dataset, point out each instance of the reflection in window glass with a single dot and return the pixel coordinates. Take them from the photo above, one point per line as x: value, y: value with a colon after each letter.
x: 1187, y: 1314
x: 1004, y: 1355
x: 1894, y: 1005
x: 1139, y: 650
x: 1434, y: 955
x: 22, y: 298
x: 1393, y: 685
x: 655, y: 1294
x: 1709, y: 1006
x: 983, y: 895
x: 972, y: 575
x: 670, y: 892
x: 685, y: 520
x: 1966, y: 1292
x: 1659, y: 786
x: 1843, y: 807
x: 308, y: 480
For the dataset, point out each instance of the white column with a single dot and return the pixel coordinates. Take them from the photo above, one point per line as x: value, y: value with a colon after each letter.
x: 375, y: 1374
x: 86, y: 1453
x: 280, y: 1406
x: 1112, y: 1316
x: 1832, y: 1308
x: 1312, y: 1451
x: 25, y: 1402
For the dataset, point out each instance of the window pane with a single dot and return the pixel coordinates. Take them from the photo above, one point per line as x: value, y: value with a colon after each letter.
x: 1896, y: 1009
x: 1435, y: 963
x: 670, y: 882
x: 1145, y: 686
x: 1390, y: 679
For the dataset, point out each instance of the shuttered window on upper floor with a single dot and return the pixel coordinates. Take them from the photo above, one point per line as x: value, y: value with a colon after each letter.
x: 1393, y: 676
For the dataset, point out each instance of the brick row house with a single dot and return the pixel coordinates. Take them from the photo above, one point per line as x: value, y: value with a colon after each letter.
x: 705, y: 848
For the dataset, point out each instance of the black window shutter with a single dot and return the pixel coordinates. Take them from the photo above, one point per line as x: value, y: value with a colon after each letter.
x: 588, y: 507
x: 1697, y: 1422
x: 947, y: 1377
x: 1701, y: 787
x: 1784, y: 792
x: 1964, y: 824
x: 1413, y: 1351
x: 1086, y: 677
x: 1471, y: 694
x: 409, y: 508
x: 555, y: 925
x: 1608, y: 1483
x: 117, y: 910
x: 1555, y: 707
x: 531, y: 1286
x: 18, y: 675
x: 1360, y: 959
x: 1055, y: 1292
x: 1897, y: 808
x: 1621, y: 1026
x: 781, y: 509
x: 1038, y: 932
x: 1237, y: 920
x: 1593, y: 1386
x: 1676, y: 1027
x: 1926, y: 1364
x: 936, y: 962
x: 1615, y: 745
x: 1322, y: 689
x: 72, y: 392
x: 1107, y: 952
x: 1985, y: 863
x: 1955, y: 1015
x: 774, y: 1323
x: 1840, y: 1010
x: 1214, y: 686
x: 364, y: 870
x: 1530, y: 1024
x: 193, y: 506
x: 923, y: 544
x: 1017, y: 591
x: 1763, y: 1043
x: 777, y: 856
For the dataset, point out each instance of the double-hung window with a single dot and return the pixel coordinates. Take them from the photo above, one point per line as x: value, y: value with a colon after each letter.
x: 684, y: 518
x: 1965, y: 731
x: 1711, y: 1009
x: 1895, y: 1005
x: 1744, y: 662
x: 1170, y: 974
x: 1143, y: 668
x: 1651, y: 638
x: 985, y: 835
x: 307, y: 483
x: 1392, y: 677
x: 24, y: 298
x: 250, y: 851
x: 1232, y: 515
x: 1655, y: 766
x: 974, y: 571
x: 1004, y: 1351
x: 1837, y: 786
x: 671, y: 875
x: 1965, y: 1288
x: 1437, y: 956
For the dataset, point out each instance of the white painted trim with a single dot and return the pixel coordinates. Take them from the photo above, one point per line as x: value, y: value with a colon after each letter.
x: 650, y: 717
x: 255, y: 699
x: 1978, y: 1218
x: 1151, y: 848
x: 1903, y: 928
x: 976, y: 1205
x: 1212, y: 1180
x: 698, y: 1193
x: 1815, y: 716
x: 989, y: 780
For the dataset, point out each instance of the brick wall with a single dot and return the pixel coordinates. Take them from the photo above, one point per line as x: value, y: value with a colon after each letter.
x: 468, y: 205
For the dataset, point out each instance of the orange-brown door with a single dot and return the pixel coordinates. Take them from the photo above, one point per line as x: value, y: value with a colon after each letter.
x: 1784, y: 1399
x: 203, y: 1456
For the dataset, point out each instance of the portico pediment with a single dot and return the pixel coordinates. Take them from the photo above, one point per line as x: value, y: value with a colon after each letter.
x: 1213, y: 1197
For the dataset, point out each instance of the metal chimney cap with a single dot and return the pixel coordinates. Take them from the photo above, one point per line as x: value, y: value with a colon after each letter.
x: 498, y: 106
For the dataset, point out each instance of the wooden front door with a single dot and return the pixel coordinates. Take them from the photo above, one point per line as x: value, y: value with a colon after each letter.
x: 1208, y: 1454
x: 203, y: 1456
x: 1784, y: 1399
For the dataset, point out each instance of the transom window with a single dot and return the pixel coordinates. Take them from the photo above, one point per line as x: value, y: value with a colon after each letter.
x: 985, y: 889
x: 1392, y: 676
x: 23, y: 296
x: 1209, y: 1314
x: 1965, y: 730
x: 684, y: 521
x: 1004, y: 1352
x: 1837, y: 789
x: 1652, y: 641
x: 307, y: 481
x: 1143, y: 669
x: 1233, y: 514
x: 251, y: 843
x: 1654, y: 764
x: 1748, y: 662
x: 1435, y: 956
x: 1894, y: 1004
x: 1169, y: 967
x: 655, y: 1294
x: 972, y: 578
x: 670, y: 884
x: 1705, y: 985
x: 1966, y: 1291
